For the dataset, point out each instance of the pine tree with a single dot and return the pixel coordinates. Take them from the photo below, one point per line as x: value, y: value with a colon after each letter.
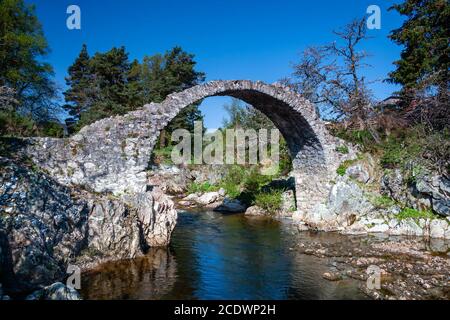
x: 22, y: 47
x: 424, y: 61
x: 79, y: 96
x: 172, y: 72
x: 103, y: 85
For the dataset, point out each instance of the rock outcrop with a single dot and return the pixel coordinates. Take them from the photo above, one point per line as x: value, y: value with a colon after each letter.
x: 349, y: 210
x: 45, y: 225
x: 56, y: 291
x: 425, y: 192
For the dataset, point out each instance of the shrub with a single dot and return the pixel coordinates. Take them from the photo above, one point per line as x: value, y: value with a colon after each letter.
x: 269, y: 201
x: 232, y: 190
x: 254, y: 181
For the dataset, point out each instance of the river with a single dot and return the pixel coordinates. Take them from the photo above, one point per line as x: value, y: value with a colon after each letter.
x: 216, y: 256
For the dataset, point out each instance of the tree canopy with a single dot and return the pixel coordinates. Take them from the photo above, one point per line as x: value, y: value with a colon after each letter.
x: 425, y: 59
x: 23, y: 74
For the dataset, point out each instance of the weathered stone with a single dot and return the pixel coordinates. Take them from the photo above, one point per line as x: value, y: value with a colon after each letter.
x: 118, y: 149
x: 392, y: 185
x: 256, y: 211
x: 288, y: 203
x: 56, y: 291
x: 438, y: 228
x: 347, y: 197
x: 231, y: 206
x: 208, y: 198
x: 359, y: 173
x: 44, y: 226
x: 332, y: 276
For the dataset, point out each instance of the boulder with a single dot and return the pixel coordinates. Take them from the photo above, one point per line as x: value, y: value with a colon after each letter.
x: 347, y: 197
x: 231, y: 206
x: 256, y: 211
x: 56, y: 291
x: 208, y: 198
x: 358, y: 172
x: 44, y: 226
x: 427, y: 192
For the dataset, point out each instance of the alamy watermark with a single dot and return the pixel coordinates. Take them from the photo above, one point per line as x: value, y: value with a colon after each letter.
x: 74, y: 279
x: 374, y: 19
x: 374, y: 279
x: 229, y: 146
x: 73, y: 22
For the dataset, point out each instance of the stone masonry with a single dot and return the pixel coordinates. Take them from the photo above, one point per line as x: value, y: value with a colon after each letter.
x: 112, y: 154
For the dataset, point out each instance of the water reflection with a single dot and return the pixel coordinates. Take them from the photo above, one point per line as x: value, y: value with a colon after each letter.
x: 215, y: 256
x: 148, y: 277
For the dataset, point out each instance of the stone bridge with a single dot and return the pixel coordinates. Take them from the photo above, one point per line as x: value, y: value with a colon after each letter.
x: 112, y: 155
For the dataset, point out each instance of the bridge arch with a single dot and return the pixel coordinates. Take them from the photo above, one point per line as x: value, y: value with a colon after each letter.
x: 113, y: 154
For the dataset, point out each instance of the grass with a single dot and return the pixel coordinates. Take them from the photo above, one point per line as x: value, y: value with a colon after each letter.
x: 162, y: 155
x: 270, y: 201
x: 409, y: 213
x: 344, y: 166
x: 342, y: 149
x: 382, y: 202
x: 202, y: 187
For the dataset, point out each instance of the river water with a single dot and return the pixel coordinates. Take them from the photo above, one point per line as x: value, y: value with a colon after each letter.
x: 216, y: 256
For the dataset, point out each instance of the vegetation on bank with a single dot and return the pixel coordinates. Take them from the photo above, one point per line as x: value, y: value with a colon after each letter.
x: 246, y: 184
x: 409, y: 213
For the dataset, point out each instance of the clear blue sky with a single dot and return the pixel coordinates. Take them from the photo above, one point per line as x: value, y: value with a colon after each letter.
x: 231, y: 39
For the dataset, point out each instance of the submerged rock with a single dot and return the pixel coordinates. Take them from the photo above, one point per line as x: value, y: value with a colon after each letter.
x: 56, y: 291
x: 256, y: 211
x: 231, y: 206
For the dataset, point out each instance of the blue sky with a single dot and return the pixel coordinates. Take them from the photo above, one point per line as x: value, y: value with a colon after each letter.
x: 231, y: 39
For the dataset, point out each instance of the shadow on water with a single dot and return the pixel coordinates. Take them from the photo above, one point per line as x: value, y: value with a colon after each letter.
x: 216, y: 256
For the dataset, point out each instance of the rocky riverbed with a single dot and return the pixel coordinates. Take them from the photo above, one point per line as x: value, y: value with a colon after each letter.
x: 411, y: 268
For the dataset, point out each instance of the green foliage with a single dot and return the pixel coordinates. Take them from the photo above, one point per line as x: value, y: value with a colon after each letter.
x: 162, y: 155
x: 382, y: 202
x: 22, y: 48
x: 161, y: 75
x: 362, y: 138
x: 251, y: 187
x: 12, y: 124
x: 254, y: 181
x: 108, y: 84
x: 201, y: 187
x: 342, y: 149
x: 101, y: 86
x: 424, y: 35
x: 232, y: 190
x: 52, y: 129
x: 285, y: 165
x: 344, y: 166
x: 270, y: 201
x: 242, y: 115
x: 409, y: 213
x: 416, y: 149
x: 396, y: 151
x: 233, y: 180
